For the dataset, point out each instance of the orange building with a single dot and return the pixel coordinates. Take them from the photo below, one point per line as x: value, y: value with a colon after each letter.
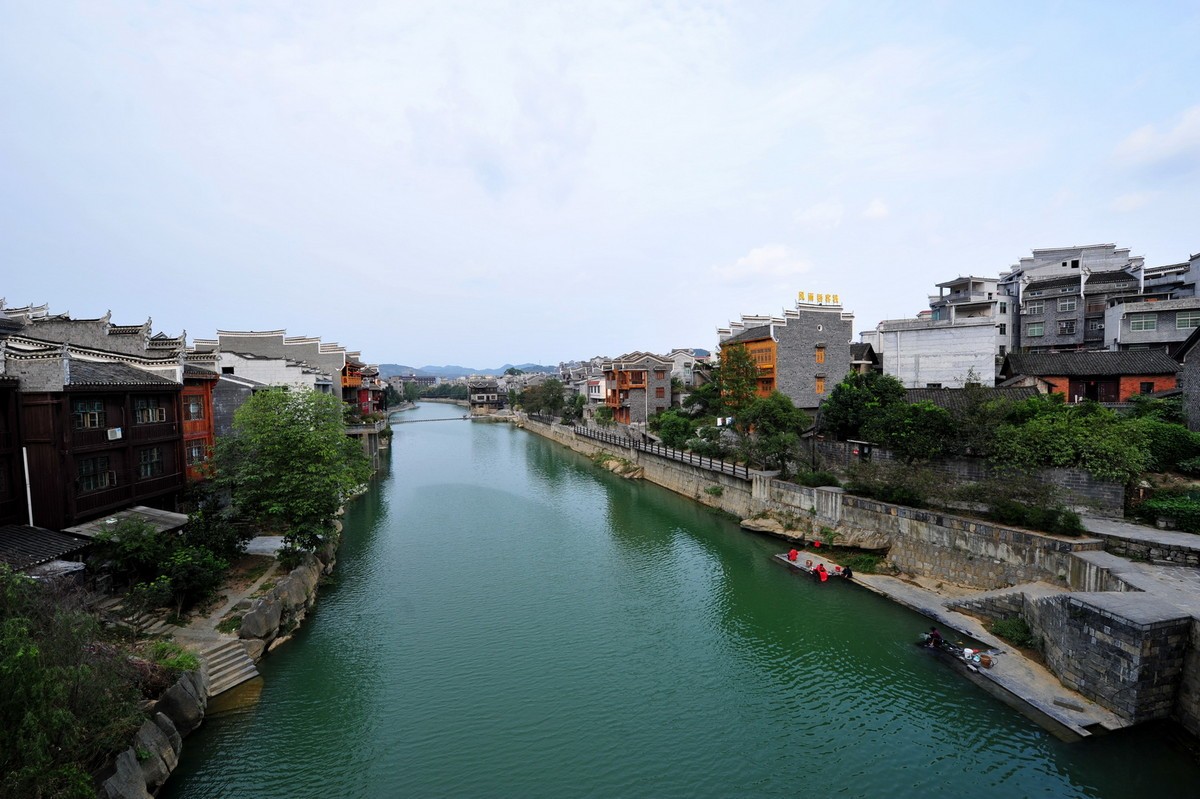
x: 197, y: 408
x: 764, y: 351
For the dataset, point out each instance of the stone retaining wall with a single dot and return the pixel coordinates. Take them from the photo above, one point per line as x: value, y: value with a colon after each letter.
x: 1154, y: 552
x: 964, y: 551
x: 1129, y: 659
x: 1081, y: 491
x: 992, y: 608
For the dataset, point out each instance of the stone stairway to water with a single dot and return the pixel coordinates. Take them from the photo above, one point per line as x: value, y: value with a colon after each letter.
x: 227, y: 665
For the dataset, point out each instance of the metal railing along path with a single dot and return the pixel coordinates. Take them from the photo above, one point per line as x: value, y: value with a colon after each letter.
x: 682, y: 456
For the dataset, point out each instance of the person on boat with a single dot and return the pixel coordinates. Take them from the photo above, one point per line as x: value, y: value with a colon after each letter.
x: 934, y: 638
x: 848, y: 573
x: 821, y: 573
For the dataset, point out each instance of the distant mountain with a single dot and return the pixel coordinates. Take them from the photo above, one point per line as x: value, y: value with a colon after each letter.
x: 387, y: 370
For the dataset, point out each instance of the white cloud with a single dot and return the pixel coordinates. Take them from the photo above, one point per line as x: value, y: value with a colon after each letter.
x: 824, y: 215
x: 1149, y: 145
x: 771, y: 261
x: 876, y: 209
x: 1132, y: 201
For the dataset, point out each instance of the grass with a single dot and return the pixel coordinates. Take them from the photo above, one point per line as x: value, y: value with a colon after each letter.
x: 230, y: 624
x: 173, y: 657
x: 715, y: 491
x: 861, y: 562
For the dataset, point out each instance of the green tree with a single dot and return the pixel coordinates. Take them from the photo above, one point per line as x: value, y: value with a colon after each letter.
x: 672, y: 427
x: 705, y: 400
x: 855, y: 400
x: 289, y: 465
x: 775, y: 425
x: 552, y: 396
x: 604, y: 416
x: 412, y: 391
x: 737, y: 381
x: 512, y: 370
x: 919, y: 431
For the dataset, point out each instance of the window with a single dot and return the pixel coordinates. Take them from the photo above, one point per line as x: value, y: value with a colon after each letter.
x: 1143, y: 321
x: 147, y: 410
x: 660, y: 392
x: 226, y: 370
x: 1147, y: 388
x: 1095, y: 324
x: 1067, y: 304
x: 1004, y: 307
x: 1035, y: 308
x: 1094, y: 306
x: 1037, y: 293
x: 1003, y: 330
x: 1066, y: 328
x: 1035, y: 329
x: 933, y: 385
x: 193, y: 409
x: 819, y: 387
x: 88, y: 414
x: 1075, y: 263
x: 820, y: 353
x: 93, y: 474
x: 1003, y: 349
x: 150, y: 463
x: 660, y: 374
x: 196, y: 453
x: 1187, y: 319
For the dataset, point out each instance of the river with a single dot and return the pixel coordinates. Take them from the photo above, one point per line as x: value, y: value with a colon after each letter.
x: 510, y: 621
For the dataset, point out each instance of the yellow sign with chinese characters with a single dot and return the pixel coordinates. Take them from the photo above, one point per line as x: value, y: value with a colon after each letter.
x: 820, y: 299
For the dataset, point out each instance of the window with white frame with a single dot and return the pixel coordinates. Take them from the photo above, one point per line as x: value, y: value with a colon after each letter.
x: 88, y: 413
x: 1066, y: 327
x: 196, y: 452
x: 1143, y: 321
x: 1095, y: 324
x: 1035, y: 307
x: 1067, y: 304
x: 148, y: 410
x: 1187, y: 319
x: 1035, y: 329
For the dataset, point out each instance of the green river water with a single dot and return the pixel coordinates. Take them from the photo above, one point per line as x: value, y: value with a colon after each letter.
x: 510, y: 621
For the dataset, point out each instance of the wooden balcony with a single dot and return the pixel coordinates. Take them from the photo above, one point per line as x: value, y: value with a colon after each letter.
x: 626, y: 381
x: 351, y: 381
x: 153, y: 432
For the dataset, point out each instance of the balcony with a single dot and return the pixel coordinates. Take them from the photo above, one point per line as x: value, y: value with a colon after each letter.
x: 351, y: 381
x: 625, y: 383
x: 613, y: 399
x: 153, y: 432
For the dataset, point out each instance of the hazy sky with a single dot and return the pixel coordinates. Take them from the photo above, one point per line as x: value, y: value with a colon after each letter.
x: 480, y: 182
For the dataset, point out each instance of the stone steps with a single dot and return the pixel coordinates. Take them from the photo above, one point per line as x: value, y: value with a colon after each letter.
x: 114, y: 614
x: 227, y: 665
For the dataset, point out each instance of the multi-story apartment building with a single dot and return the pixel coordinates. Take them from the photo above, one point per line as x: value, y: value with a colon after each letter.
x: 803, y: 354
x: 637, y: 386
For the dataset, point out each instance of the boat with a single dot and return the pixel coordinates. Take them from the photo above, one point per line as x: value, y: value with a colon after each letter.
x: 964, y: 656
x: 816, y: 567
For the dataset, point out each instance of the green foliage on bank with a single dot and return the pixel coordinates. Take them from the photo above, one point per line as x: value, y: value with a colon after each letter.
x: 69, y: 700
x: 456, y: 391
x: 1179, y: 508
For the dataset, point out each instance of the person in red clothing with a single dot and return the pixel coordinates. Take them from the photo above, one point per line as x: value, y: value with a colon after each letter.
x: 824, y: 575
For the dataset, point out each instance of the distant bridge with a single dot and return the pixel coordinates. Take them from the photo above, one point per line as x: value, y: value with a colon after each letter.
x: 418, y: 421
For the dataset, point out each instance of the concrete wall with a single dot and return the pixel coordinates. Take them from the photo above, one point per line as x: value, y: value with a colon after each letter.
x: 919, y: 353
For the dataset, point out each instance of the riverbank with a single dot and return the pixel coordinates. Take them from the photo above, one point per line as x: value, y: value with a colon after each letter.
x: 1123, y: 658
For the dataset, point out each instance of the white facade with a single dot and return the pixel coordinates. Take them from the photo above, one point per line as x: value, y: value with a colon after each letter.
x: 273, y: 371
x: 936, y: 353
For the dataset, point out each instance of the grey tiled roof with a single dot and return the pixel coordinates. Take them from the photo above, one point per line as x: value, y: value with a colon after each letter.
x: 1089, y: 364
x: 750, y: 334
x: 862, y: 352
x: 957, y: 399
x: 90, y: 373
x: 22, y: 546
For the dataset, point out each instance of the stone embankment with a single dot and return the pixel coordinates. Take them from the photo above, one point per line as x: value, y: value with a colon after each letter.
x: 270, y: 620
x: 141, y: 769
x: 1123, y: 634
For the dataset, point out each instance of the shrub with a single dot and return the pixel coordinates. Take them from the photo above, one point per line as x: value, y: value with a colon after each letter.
x: 1190, y: 467
x: 817, y: 479
x: 862, y: 562
x: 715, y: 491
x: 1166, y: 443
x: 1014, y: 630
x: 1181, y: 508
x: 173, y: 657
x: 1053, y: 519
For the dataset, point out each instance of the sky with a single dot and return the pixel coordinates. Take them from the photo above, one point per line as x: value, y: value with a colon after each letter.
x: 483, y: 183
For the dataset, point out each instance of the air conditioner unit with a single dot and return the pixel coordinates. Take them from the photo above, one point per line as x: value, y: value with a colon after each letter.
x: 114, y: 433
